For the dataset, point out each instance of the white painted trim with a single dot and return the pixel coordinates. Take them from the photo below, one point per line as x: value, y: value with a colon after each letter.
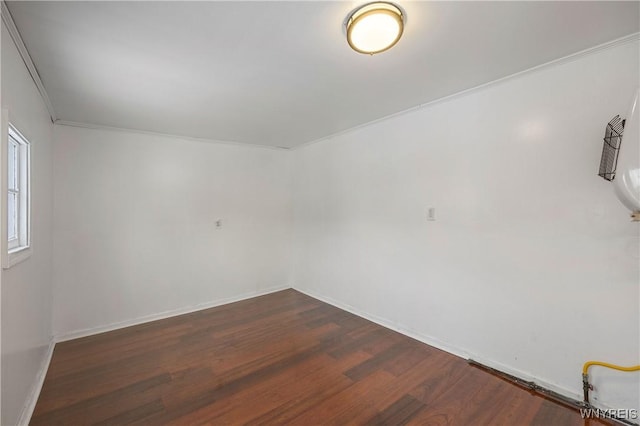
x: 10, y: 258
x: 429, y: 340
x: 30, y: 404
x: 23, y: 250
x: 4, y: 139
x: 26, y: 58
x: 163, y: 315
x: 560, y: 61
x: 452, y: 349
x: 27, y: 411
x: 15, y: 257
x: 163, y: 135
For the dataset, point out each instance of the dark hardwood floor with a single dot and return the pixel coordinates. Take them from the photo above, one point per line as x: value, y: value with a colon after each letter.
x: 279, y: 358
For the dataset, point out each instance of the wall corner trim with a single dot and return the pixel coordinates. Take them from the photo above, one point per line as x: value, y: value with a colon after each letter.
x: 26, y: 57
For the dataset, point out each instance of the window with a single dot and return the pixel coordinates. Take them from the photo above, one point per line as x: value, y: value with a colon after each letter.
x: 16, y: 183
x: 17, y: 191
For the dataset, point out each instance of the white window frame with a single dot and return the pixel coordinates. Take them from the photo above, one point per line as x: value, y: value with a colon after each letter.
x: 19, y: 249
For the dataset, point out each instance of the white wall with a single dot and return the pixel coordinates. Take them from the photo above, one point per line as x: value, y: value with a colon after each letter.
x: 135, y: 226
x: 532, y: 263
x: 26, y: 287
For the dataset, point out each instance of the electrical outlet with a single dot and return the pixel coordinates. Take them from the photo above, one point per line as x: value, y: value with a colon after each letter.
x: 219, y: 224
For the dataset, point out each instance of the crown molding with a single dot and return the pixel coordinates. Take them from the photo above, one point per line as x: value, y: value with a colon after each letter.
x: 164, y: 135
x: 26, y: 57
x: 563, y: 60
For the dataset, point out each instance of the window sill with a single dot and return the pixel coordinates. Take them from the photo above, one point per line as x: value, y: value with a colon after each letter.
x: 16, y: 256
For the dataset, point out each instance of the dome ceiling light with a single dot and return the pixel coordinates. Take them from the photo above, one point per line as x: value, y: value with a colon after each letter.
x: 374, y: 27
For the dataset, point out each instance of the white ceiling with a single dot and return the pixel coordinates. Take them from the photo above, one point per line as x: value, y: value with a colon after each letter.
x: 281, y: 73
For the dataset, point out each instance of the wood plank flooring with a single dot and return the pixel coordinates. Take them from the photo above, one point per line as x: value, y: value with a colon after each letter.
x: 283, y: 358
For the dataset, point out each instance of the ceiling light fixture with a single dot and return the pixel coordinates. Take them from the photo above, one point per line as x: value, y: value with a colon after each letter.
x: 374, y: 27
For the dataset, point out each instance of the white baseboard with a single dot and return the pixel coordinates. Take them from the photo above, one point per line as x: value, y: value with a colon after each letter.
x: 447, y: 347
x: 27, y: 412
x: 76, y: 334
x: 429, y: 340
x: 30, y: 403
